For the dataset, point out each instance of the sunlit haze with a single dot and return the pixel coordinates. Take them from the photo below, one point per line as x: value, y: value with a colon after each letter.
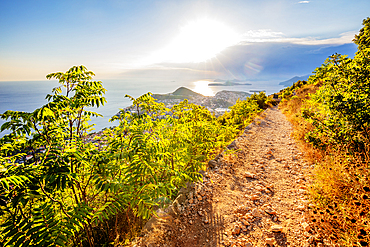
x: 202, y: 88
x: 198, y: 41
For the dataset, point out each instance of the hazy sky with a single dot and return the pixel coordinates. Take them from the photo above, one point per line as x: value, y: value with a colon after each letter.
x: 114, y: 37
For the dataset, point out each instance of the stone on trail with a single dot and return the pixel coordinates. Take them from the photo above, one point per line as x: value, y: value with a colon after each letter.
x: 276, y: 228
x: 255, y: 197
x: 236, y: 230
x: 256, y: 212
x: 306, y: 226
x: 250, y: 175
x: 270, y: 211
x: 212, y: 163
x: 270, y: 241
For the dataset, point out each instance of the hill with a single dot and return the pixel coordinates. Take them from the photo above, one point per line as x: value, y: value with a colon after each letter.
x: 290, y: 82
x: 183, y: 91
x: 222, y: 99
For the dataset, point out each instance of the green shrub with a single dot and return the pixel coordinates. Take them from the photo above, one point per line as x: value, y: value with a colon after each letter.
x: 83, y: 180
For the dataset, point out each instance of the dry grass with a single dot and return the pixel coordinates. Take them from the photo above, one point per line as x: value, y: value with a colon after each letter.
x: 340, y: 192
x: 118, y: 230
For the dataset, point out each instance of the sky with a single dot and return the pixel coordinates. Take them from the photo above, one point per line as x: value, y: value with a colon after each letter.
x: 195, y: 39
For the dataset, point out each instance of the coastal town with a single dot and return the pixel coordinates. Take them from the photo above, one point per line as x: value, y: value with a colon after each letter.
x: 217, y: 104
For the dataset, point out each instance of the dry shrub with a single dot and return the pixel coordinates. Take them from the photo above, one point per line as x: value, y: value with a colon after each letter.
x: 340, y: 196
x: 340, y: 192
x: 119, y: 229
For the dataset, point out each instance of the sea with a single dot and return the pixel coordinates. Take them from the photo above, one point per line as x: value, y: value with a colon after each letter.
x: 30, y: 95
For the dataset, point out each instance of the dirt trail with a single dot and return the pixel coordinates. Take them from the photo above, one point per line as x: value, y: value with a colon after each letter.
x: 254, y: 198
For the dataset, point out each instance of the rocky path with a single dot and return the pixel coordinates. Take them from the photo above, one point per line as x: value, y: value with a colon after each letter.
x: 256, y: 197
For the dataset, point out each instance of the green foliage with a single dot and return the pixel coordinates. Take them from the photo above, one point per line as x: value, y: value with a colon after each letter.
x: 363, y: 38
x: 340, y: 110
x: 74, y: 181
x: 261, y: 99
x: 242, y: 113
x: 289, y: 92
x: 46, y: 199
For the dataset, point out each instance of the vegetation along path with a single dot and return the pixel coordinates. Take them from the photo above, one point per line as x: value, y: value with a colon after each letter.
x: 256, y: 197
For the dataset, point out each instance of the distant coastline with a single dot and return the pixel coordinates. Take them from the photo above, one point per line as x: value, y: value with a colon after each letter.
x: 30, y: 95
x: 226, y: 83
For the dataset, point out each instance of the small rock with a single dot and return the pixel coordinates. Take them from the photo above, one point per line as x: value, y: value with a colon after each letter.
x: 199, y: 197
x: 270, y: 241
x: 190, y: 196
x: 301, y: 207
x: 327, y: 242
x: 255, y: 197
x: 305, y: 202
x: 249, y: 175
x: 310, y: 239
x: 191, y: 201
x: 191, y: 222
x: 232, y: 145
x: 256, y: 212
x: 236, y: 230
x: 245, y: 222
x: 276, y: 228
x: 212, y: 163
x: 270, y: 211
x: 306, y: 226
x: 259, y: 188
x: 248, y: 245
x: 248, y: 216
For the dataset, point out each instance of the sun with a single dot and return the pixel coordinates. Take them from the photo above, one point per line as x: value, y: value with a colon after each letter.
x: 198, y: 41
x: 202, y: 88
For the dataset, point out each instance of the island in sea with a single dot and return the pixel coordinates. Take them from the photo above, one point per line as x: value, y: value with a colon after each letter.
x: 224, y: 83
x: 217, y: 104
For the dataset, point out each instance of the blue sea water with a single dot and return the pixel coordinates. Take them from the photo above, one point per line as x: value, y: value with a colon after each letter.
x: 30, y: 95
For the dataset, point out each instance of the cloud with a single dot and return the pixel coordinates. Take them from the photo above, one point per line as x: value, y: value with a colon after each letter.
x: 304, y: 2
x: 345, y: 38
x: 267, y: 36
x: 261, y: 33
x: 261, y: 54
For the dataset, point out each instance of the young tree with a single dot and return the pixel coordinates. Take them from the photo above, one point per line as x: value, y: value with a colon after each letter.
x: 45, y: 197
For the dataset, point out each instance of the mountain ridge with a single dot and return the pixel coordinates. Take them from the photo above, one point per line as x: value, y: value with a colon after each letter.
x: 294, y: 79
